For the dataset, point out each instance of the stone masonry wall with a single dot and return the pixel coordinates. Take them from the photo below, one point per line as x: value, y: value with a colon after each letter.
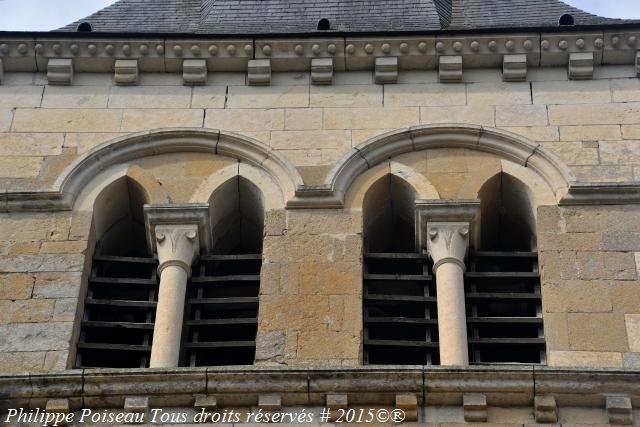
x: 589, y: 256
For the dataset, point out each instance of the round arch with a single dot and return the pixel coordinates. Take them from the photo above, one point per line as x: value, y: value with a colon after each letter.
x: 505, y: 145
x: 163, y: 141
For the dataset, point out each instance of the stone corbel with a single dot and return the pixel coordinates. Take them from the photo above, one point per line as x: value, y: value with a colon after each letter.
x: 1, y: 71
x: 126, y: 72
x: 638, y: 63
x: 259, y: 72
x: 60, y: 71
x: 581, y: 66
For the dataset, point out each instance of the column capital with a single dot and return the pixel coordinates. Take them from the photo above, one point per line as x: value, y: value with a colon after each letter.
x: 443, y: 228
x: 177, y: 233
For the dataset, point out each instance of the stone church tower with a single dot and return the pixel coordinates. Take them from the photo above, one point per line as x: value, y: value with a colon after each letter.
x: 326, y: 209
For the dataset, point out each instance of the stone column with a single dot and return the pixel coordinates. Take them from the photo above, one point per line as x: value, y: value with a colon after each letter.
x: 177, y: 234
x: 444, y: 229
x: 177, y: 247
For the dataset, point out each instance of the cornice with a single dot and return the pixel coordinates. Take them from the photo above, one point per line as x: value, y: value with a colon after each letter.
x: 165, y: 53
x: 505, y: 386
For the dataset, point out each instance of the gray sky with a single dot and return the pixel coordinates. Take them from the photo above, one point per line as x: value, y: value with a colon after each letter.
x: 44, y: 15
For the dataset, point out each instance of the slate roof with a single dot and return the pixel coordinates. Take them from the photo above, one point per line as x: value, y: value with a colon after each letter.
x: 302, y: 16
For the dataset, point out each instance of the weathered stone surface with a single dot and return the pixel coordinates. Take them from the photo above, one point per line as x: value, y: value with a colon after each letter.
x: 619, y: 152
x: 370, y: 118
x: 268, y: 97
x: 139, y: 120
x: 16, y: 286
x: 64, y: 247
x: 630, y: 131
x: 150, y: 97
x: 625, y: 90
x: 209, y: 97
x: 6, y: 117
x: 536, y: 133
x: 597, y: 114
x: 498, y: 93
x: 20, y: 96
x: 574, y: 152
x: 31, y: 144
x: 585, y: 358
x: 356, y: 96
x: 331, y: 139
x: 41, y: 263
x: 590, y: 133
x: 31, y: 311
x: 621, y: 241
x: 245, y: 120
x: 577, y: 296
x: 521, y: 115
x: 412, y: 95
x: 477, y: 115
x: 572, y: 92
x: 632, y: 321
x: 303, y: 119
x: 57, y: 285
x: 270, y: 346
x: 556, y: 330
x: 20, y: 167
x: 67, y: 120
x: 597, y: 332
x: 84, y: 142
x: 75, y: 97
x: 35, y: 336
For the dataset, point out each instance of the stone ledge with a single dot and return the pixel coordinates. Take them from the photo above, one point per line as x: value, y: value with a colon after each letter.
x: 505, y: 386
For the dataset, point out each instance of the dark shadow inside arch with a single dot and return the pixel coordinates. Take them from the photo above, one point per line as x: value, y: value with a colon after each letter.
x: 389, y: 216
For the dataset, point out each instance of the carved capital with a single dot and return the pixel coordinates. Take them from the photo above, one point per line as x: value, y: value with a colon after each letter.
x: 443, y: 228
x: 177, y: 245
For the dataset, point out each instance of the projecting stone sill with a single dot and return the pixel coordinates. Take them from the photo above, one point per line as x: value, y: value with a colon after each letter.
x: 241, y: 386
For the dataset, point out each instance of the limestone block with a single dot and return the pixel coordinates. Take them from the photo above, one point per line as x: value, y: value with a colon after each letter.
x: 6, y: 116
x: 638, y: 63
x: 577, y: 296
x: 619, y: 152
x: 572, y: 92
x: 65, y: 310
x: 58, y: 406
x: 245, y: 119
x: 594, y: 359
x: 604, y: 114
x: 22, y: 361
x: 56, y: 285
x: 20, y: 167
x: 270, y: 402
x: 556, y: 331
x: 475, y: 407
x: 498, y: 93
x: 625, y: 90
x: 521, y: 115
x: 291, y: 78
x: 581, y: 66
x: 136, y: 405
x: 574, y: 152
x: 31, y: 311
x: 323, y: 221
x: 75, y: 97
x: 632, y: 322
x: 209, y: 97
x: 37, y: 263
x: 416, y: 95
x: 271, y: 346
x: 477, y: 115
x: 67, y: 120
x: 126, y: 72
x: 322, y: 71
x: 346, y: 96
x: 619, y: 410
x: 303, y: 118
x: 259, y: 72
x: 370, y: 118
x: 84, y: 142
x: 20, y: 96
x: 49, y: 336
x: 450, y: 69
x: 631, y: 360
x: 16, y: 286
x: 24, y: 248
x: 386, y: 70
x: 60, y: 71
x: 590, y: 133
x: 194, y: 72
x: 268, y: 97
x: 621, y: 241
x: 409, y: 404
x: 301, y: 139
x: 143, y: 119
x: 546, y: 410
x: 1, y: 71
x: 335, y: 402
x: 606, y: 173
x: 149, y: 97
x: 514, y: 68
x: 209, y: 403
x: 63, y: 247
x: 597, y: 332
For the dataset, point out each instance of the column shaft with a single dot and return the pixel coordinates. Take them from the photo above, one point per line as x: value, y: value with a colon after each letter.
x: 452, y: 319
x: 167, y: 332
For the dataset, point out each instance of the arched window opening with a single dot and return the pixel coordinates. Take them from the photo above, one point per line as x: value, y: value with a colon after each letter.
x: 119, y: 310
x: 400, y: 325
x: 566, y: 19
x: 221, y: 319
x: 324, y: 24
x: 502, y: 282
